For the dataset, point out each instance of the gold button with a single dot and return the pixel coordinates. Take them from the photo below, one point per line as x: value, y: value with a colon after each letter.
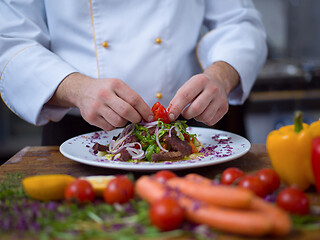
x: 105, y: 44
x: 158, y: 40
x: 159, y: 95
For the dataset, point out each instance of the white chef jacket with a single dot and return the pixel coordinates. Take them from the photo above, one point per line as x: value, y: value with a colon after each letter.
x: 153, y: 45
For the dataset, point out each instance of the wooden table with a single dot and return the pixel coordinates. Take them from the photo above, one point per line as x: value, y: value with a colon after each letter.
x: 48, y: 160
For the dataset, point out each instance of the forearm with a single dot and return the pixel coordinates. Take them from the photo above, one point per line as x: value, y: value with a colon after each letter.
x: 224, y: 73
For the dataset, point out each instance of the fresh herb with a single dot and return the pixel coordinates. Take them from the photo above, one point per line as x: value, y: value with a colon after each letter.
x: 306, y: 222
x: 10, y: 186
x: 60, y: 220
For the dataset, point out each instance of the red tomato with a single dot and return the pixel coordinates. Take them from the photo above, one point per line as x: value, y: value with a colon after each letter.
x: 80, y: 191
x: 186, y: 137
x: 270, y: 179
x: 160, y: 112
x: 164, y: 175
x: 254, y: 184
x: 155, y: 107
x: 230, y: 175
x: 119, y: 190
x: 166, y: 214
x: 293, y: 200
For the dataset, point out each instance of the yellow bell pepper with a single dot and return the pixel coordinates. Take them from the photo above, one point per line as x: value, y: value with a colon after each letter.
x: 289, y: 149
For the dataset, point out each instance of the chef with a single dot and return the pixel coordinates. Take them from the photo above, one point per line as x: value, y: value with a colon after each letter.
x: 80, y: 65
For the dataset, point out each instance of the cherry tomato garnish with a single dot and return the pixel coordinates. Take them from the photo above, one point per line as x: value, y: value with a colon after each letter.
x: 253, y: 183
x: 270, y: 179
x: 166, y: 214
x: 79, y: 191
x: 186, y: 137
x: 155, y: 107
x: 164, y: 175
x: 119, y: 190
x: 160, y: 113
x: 230, y: 175
x: 293, y: 200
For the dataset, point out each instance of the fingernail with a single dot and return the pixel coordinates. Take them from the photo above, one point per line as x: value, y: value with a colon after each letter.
x: 150, y: 118
x: 171, y: 117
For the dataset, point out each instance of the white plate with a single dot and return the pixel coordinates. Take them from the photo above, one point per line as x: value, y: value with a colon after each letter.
x: 219, y: 146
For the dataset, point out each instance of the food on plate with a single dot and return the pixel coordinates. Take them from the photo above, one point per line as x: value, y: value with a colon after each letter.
x: 98, y: 183
x: 79, y: 191
x: 250, y: 221
x: 119, y: 190
x: 290, y: 148
x: 47, y: 187
x: 160, y: 112
x: 154, y: 141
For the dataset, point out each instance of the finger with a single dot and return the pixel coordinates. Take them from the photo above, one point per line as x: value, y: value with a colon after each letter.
x: 112, y: 117
x: 184, y: 96
x: 124, y: 110
x: 198, y: 105
x: 132, y: 107
x: 100, y: 122
x: 213, y: 113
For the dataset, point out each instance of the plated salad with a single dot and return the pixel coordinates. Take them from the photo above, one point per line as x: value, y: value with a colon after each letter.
x: 160, y: 140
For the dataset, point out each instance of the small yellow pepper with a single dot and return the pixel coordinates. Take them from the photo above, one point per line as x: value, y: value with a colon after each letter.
x: 289, y: 149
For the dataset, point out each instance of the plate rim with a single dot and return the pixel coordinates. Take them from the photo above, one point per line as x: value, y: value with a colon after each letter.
x: 152, y: 166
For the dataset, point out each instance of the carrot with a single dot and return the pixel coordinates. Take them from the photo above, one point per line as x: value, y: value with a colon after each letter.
x: 194, y: 149
x: 198, y: 178
x: 237, y: 221
x: 279, y: 218
x: 149, y: 189
x: 219, y: 195
x: 246, y: 222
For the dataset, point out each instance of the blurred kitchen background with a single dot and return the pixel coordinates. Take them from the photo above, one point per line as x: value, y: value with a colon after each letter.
x: 289, y: 81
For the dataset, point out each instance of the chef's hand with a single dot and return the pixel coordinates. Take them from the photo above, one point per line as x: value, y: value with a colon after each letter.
x: 204, y: 97
x: 105, y: 103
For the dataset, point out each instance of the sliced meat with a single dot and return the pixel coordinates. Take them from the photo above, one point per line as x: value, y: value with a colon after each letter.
x: 99, y: 147
x: 124, y: 155
x: 116, y: 137
x: 131, y: 139
x: 152, y: 130
x: 166, y: 156
x: 144, y: 133
x: 178, y: 145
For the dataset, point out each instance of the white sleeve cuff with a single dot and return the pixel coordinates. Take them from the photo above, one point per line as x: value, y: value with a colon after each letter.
x: 29, y: 80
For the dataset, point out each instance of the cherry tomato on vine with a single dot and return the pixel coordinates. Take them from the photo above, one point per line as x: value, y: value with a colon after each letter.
x: 166, y: 214
x: 160, y: 113
x: 293, y: 200
x: 230, y: 175
x: 119, y: 190
x: 253, y: 183
x: 164, y: 175
x: 79, y: 190
x: 270, y: 179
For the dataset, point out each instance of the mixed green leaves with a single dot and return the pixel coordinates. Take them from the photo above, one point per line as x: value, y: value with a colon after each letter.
x: 60, y: 220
